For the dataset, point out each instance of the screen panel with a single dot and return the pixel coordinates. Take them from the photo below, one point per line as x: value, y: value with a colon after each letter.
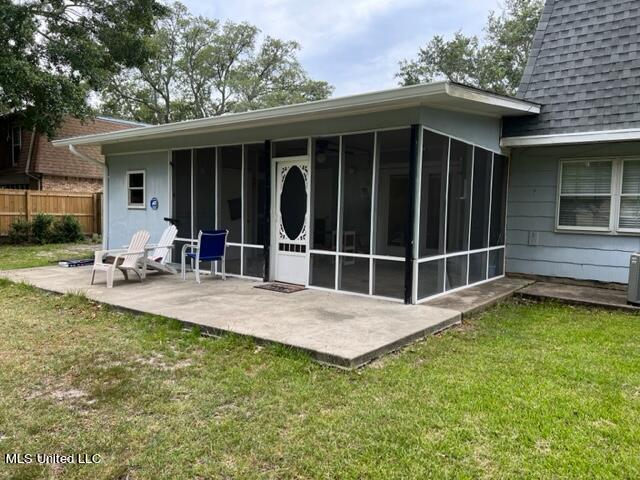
x: 181, y: 191
x: 230, y: 196
x: 481, y: 199
x: 458, y: 197
x: 204, y: 183
x: 392, y: 191
x: 435, y: 154
x: 356, y: 192
x: 255, y: 176
x: 324, y: 207
x: 498, y: 201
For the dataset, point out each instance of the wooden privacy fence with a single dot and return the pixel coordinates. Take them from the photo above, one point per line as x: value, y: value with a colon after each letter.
x: 24, y: 204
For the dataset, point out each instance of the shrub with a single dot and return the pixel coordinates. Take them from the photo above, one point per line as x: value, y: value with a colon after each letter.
x: 20, y: 231
x: 41, y: 231
x: 67, y: 230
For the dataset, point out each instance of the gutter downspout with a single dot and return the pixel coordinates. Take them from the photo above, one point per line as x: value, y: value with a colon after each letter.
x: 105, y: 185
x: 29, y: 155
x: 74, y: 151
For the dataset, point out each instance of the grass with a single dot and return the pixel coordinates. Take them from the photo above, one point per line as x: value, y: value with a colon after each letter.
x: 522, y: 391
x: 25, y: 256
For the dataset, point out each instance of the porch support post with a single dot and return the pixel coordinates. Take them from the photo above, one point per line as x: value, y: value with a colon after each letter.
x: 410, y: 225
x: 267, y: 207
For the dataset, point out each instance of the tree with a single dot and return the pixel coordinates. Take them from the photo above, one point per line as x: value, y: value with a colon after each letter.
x: 495, y: 64
x: 200, y: 68
x: 54, y: 54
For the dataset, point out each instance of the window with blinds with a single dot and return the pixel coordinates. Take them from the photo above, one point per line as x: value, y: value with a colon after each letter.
x: 630, y: 195
x: 585, y: 194
x: 600, y: 194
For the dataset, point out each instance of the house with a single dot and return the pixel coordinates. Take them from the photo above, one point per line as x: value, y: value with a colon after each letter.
x: 28, y: 160
x: 574, y: 197
x: 414, y: 192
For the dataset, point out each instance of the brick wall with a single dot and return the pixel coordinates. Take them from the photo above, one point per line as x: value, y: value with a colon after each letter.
x: 71, y: 184
x: 57, y: 165
x: 60, y: 161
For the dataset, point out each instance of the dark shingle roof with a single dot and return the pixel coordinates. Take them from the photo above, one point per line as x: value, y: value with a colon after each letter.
x: 584, y: 68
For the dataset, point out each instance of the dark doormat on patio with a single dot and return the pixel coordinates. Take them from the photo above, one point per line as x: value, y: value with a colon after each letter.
x: 281, y: 287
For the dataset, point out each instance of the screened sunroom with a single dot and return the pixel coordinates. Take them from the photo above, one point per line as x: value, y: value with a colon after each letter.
x: 399, y: 194
x: 367, y: 199
x: 344, y: 206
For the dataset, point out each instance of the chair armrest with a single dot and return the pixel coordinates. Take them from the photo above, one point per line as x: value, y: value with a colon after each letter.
x: 149, y: 248
x: 153, y: 247
x: 100, y: 254
x: 111, y: 250
x: 125, y: 254
x: 192, y: 247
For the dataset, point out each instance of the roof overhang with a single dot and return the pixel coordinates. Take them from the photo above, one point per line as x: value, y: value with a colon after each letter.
x: 625, y: 135
x: 444, y: 95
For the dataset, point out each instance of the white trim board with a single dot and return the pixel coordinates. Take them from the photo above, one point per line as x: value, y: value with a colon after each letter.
x: 572, y: 138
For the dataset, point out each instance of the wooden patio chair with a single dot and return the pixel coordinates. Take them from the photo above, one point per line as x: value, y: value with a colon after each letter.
x: 211, y: 247
x: 156, y: 256
x: 124, y: 260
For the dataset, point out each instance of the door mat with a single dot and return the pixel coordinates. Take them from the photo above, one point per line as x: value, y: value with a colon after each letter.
x: 281, y: 287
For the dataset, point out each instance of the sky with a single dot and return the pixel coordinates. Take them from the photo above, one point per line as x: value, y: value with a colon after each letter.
x: 355, y: 45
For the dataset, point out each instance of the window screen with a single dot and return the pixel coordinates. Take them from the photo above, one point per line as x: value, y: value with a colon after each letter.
x: 255, y: 176
x: 392, y: 191
x: 356, y: 192
x: 135, y: 189
x: 459, y: 196
x: 230, y: 195
x: 585, y: 194
x: 481, y: 199
x: 204, y: 182
x: 498, y: 200
x: 324, y: 210
x: 630, y: 195
x: 16, y: 144
x: 435, y: 155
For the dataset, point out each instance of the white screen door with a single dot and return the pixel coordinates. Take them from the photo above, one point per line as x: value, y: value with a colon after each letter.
x: 292, y: 220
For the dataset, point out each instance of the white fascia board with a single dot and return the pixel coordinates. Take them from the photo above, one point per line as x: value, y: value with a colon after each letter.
x: 417, y: 95
x: 572, y: 138
x: 517, y: 106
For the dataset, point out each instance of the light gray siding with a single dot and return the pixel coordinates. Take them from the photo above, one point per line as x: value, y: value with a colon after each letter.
x: 122, y: 221
x: 483, y: 131
x: 531, y: 210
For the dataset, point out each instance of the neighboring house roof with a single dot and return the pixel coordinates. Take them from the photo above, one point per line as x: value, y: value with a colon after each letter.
x: 122, y: 121
x: 584, y: 68
x: 445, y: 95
x: 37, y: 156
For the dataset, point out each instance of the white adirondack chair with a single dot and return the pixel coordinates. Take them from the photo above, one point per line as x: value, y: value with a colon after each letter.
x: 156, y: 256
x: 124, y: 259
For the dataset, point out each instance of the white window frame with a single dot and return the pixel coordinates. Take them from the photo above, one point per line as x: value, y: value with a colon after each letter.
x: 636, y: 195
x: 137, y: 206
x: 14, y: 160
x: 617, y: 167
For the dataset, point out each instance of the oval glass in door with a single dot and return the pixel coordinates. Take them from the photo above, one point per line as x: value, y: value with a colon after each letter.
x: 293, y: 203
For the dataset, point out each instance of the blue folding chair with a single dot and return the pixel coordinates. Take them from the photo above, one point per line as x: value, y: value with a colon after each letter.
x: 211, y: 247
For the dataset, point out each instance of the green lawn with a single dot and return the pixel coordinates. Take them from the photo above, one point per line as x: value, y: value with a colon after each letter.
x: 23, y: 256
x: 522, y: 391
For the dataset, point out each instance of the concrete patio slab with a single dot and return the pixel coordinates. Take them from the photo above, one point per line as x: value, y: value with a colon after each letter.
x: 474, y: 299
x: 342, y: 330
x: 579, y: 295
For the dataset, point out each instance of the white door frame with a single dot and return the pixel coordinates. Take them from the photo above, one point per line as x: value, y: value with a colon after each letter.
x: 275, y: 161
